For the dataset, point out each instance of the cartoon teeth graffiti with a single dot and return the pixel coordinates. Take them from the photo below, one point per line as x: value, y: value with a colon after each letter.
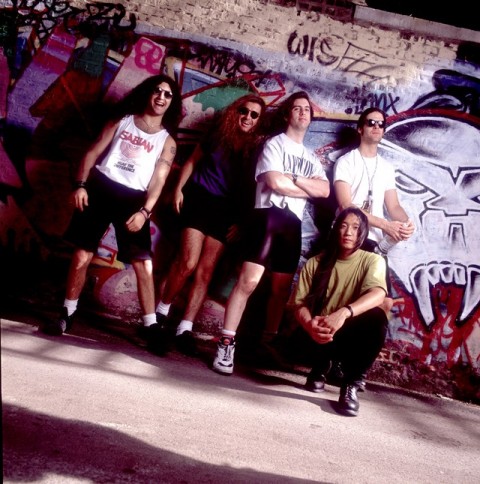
x: 437, y: 158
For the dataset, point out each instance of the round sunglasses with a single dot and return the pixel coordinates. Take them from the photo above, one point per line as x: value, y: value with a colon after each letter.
x: 245, y: 111
x: 157, y: 91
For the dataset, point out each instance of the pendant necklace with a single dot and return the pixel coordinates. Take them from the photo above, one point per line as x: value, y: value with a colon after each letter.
x: 367, y: 204
x: 149, y: 126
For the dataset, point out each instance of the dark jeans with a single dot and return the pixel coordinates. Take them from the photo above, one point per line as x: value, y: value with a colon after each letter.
x: 356, y: 345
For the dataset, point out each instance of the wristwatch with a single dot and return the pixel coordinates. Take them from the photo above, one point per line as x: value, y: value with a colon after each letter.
x: 294, y: 178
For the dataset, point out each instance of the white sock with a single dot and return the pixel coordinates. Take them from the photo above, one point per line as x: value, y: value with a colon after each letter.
x: 149, y: 319
x: 71, y: 305
x: 163, y: 308
x: 183, y: 326
x: 228, y: 334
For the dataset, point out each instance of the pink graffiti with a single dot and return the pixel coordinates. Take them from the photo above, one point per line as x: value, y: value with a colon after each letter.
x: 148, y: 55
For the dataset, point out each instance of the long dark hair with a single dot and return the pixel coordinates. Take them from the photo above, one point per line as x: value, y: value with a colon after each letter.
x: 136, y: 101
x: 316, y: 298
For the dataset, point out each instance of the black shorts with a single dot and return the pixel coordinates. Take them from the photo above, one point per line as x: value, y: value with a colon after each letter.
x: 274, y: 239
x: 207, y: 213
x: 370, y: 245
x: 110, y: 202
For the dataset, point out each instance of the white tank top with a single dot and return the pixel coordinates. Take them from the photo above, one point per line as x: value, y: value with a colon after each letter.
x: 132, y: 155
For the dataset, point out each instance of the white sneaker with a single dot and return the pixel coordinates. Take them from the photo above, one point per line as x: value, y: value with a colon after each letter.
x: 223, y: 362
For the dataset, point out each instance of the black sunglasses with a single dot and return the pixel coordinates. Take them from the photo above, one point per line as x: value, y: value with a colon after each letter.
x: 373, y: 122
x: 245, y: 111
x: 158, y: 90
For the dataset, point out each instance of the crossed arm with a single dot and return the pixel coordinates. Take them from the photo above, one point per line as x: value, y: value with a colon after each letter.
x: 283, y: 184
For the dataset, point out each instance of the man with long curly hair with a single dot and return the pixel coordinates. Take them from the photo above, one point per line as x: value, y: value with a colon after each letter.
x: 119, y: 181
x: 213, y: 192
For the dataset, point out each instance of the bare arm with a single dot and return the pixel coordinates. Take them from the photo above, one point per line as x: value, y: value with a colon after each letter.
x: 315, y: 187
x: 157, y: 182
x: 405, y: 229
x: 323, y: 328
x: 80, y: 196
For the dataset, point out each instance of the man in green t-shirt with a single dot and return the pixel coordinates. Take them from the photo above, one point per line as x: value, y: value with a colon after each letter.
x: 337, y: 300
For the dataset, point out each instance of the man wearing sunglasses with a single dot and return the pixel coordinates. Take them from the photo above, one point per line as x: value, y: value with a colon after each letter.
x: 364, y: 179
x: 212, y: 196
x: 118, y: 182
x: 287, y: 174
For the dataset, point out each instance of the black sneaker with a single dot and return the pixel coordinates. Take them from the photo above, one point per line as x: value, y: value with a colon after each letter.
x: 156, y: 336
x: 348, y: 403
x: 186, y: 344
x: 60, y: 325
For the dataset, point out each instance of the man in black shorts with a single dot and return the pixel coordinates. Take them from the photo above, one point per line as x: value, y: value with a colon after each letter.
x: 119, y: 181
x: 211, y: 197
x: 287, y: 174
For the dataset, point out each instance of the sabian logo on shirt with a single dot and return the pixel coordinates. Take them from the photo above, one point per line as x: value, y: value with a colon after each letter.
x: 136, y: 140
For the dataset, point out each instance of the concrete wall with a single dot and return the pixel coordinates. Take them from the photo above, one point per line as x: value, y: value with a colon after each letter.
x: 60, y: 60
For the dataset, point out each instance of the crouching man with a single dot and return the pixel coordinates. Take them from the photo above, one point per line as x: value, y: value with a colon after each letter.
x: 337, y: 300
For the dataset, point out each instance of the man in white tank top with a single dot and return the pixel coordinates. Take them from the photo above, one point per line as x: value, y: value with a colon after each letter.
x: 118, y: 182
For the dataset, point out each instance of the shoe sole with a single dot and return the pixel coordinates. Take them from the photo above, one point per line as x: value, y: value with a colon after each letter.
x: 312, y: 389
x: 222, y: 371
x: 348, y: 413
x: 53, y: 330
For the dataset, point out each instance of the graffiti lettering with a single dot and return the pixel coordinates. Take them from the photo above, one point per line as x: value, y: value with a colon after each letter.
x: 43, y: 16
x: 384, y: 100
x: 222, y: 63
x: 364, y: 64
x: 304, y: 47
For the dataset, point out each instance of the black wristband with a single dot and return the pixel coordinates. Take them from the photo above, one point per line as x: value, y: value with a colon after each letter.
x: 80, y: 184
x: 294, y: 178
x: 147, y: 213
x: 350, y: 309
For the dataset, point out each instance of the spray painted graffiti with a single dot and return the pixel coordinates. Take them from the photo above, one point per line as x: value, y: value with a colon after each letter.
x: 334, y: 51
x: 433, y: 142
x: 438, y: 179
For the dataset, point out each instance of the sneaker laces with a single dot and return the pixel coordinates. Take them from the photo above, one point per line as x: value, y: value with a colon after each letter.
x: 226, y: 348
x: 227, y: 355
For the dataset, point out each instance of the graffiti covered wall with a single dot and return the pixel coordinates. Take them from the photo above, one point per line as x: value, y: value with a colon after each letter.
x: 60, y: 61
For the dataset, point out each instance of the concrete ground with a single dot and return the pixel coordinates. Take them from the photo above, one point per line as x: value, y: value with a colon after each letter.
x: 95, y: 406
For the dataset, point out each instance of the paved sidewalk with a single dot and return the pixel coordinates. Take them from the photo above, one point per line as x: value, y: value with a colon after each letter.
x: 94, y: 406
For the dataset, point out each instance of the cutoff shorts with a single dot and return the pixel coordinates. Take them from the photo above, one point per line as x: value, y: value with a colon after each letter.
x: 207, y: 213
x: 110, y: 202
